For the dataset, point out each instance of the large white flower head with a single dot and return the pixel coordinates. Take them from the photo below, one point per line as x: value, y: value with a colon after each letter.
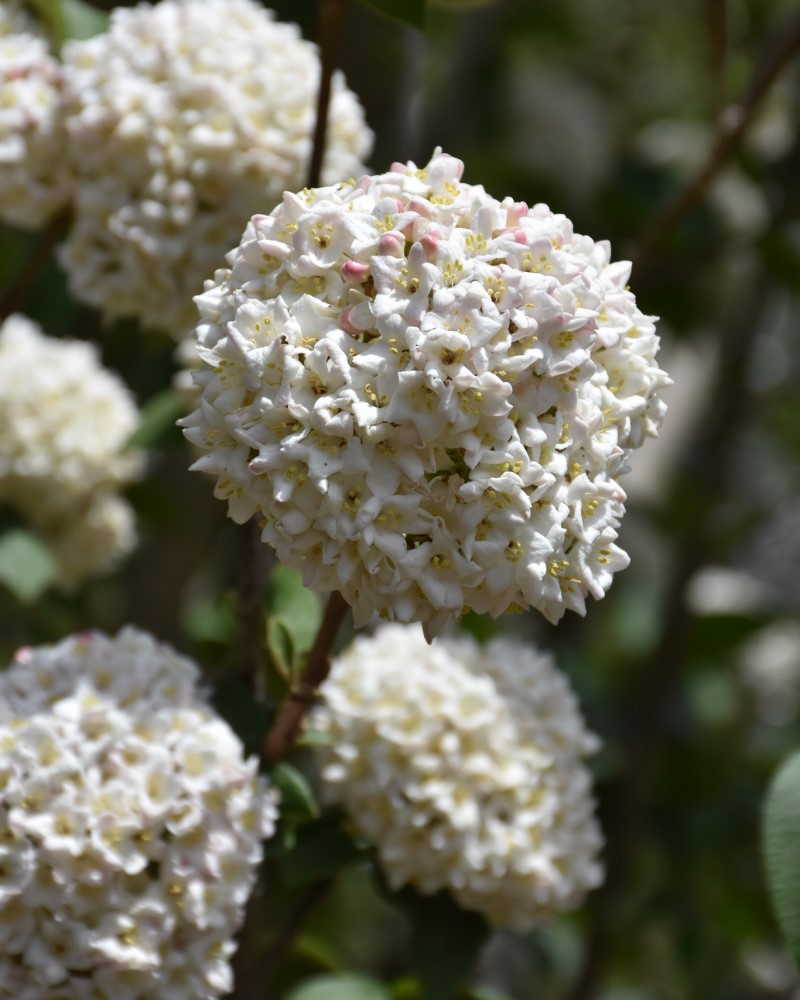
x: 64, y: 421
x: 34, y: 177
x: 185, y: 117
x: 463, y: 766
x: 428, y: 395
x: 130, y: 825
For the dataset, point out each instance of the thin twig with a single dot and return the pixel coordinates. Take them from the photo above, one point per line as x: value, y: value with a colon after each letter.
x: 726, y: 414
x: 732, y: 123
x: 290, y: 717
x: 14, y: 298
x: 289, y: 932
x: 331, y: 17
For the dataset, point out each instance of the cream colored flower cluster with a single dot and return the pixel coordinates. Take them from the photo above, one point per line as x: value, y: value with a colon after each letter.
x: 130, y: 825
x: 34, y: 176
x: 64, y: 421
x: 463, y: 766
x: 184, y: 119
x: 428, y: 395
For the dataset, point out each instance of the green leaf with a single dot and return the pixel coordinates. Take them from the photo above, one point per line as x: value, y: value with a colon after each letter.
x: 81, y: 20
x: 248, y: 718
x: 294, y: 606
x: 281, y: 649
x: 297, y: 796
x: 350, y: 987
x: 409, y: 11
x: 311, y: 737
x: 158, y: 418
x: 65, y: 19
x: 444, y: 942
x: 320, y: 850
x: 781, y: 854
x: 210, y: 620
x: 26, y: 566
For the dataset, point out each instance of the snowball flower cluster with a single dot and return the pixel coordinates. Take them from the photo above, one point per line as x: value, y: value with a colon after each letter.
x: 34, y: 177
x: 184, y: 118
x: 462, y: 765
x: 64, y: 421
x: 130, y: 825
x: 427, y: 395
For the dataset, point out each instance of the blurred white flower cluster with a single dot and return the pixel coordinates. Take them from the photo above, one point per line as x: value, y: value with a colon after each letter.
x: 34, y: 176
x: 64, y: 421
x: 463, y: 766
x: 130, y: 825
x: 184, y: 119
x: 428, y: 395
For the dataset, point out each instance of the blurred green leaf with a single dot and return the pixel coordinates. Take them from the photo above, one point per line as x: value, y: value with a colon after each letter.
x: 312, y: 737
x: 320, y: 850
x: 294, y: 606
x: 350, y: 987
x: 66, y: 19
x: 406, y: 988
x: 410, y: 11
x: 781, y: 839
x: 209, y: 620
x: 158, y: 418
x: 481, y: 627
x: 26, y: 566
x: 444, y: 941
x: 247, y: 717
x: 81, y: 20
x: 281, y: 649
x: 297, y: 796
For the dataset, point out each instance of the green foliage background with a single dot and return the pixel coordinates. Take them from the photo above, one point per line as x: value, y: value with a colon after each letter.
x: 605, y: 111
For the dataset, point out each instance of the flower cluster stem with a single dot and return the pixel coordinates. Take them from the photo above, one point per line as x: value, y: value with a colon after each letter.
x: 331, y: 16
x: 293, y: 711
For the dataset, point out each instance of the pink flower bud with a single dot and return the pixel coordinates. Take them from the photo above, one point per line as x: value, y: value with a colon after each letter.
x: 430, y: 244
x: 516, y: 212
x: 391, y: 245
x: 355, y: 272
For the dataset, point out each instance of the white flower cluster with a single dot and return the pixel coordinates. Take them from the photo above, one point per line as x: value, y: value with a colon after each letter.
x: 462, y: 765
x: 64, y: 421
x: 130, y: 825
x: 428, y: 395
x: 184, y: 118
x: 34, y: 177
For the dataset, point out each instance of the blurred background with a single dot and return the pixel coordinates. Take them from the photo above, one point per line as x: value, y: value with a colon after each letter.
x: 689, y: 670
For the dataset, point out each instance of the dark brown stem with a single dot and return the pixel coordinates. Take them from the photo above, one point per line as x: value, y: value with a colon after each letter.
x: 732, y: 123
x: 662, y: 670
x: 331, y: 17
x: 292, y: 712
x: 14, y: 298
x: 246, y: 970
x: 250, y: 619
x: 293, y: 926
